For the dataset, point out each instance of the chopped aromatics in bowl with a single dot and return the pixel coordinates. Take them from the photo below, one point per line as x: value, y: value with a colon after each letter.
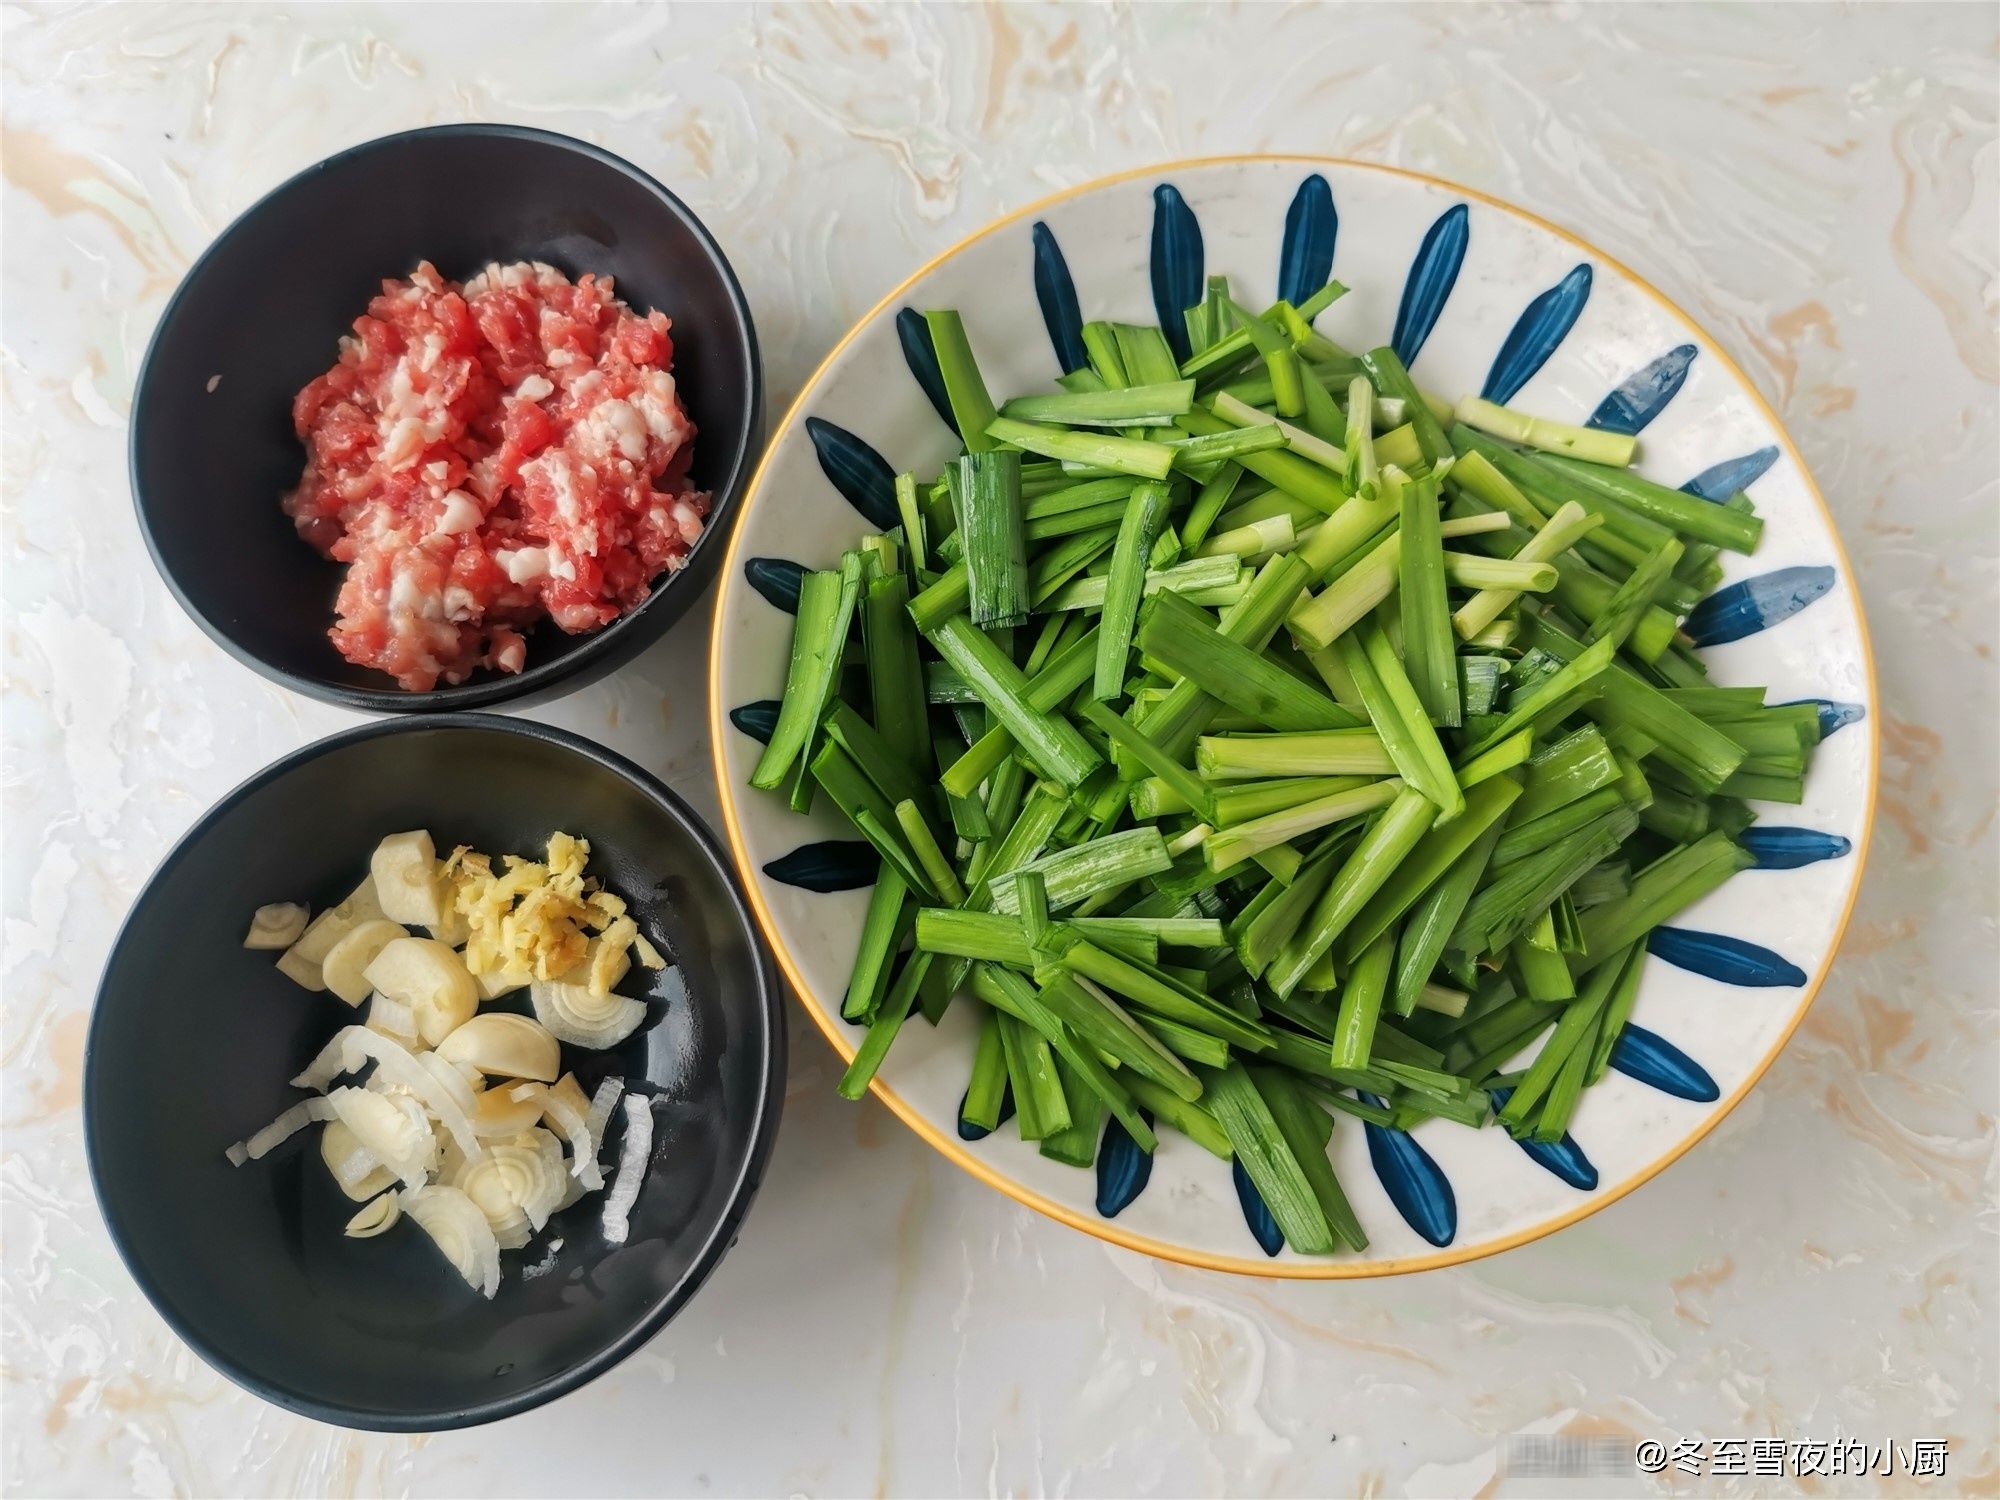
x: 462, y: 1117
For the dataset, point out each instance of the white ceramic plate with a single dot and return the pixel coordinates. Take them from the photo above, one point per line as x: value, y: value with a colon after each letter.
x: 1480, y: 297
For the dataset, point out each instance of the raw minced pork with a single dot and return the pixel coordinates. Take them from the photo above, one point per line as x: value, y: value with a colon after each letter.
x: 485, y: 455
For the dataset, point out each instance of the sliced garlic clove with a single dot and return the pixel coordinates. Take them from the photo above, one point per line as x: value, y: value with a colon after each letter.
x: 276, y: 926
x: 301, y: 962
x: 451, y: 928
x: 405, y: 870
x: 432, y: 980
x: 303, y: 972
x: 498, y: 982
x: 498, y: 1115
x: 507, y: 1045
x: 344, y: 969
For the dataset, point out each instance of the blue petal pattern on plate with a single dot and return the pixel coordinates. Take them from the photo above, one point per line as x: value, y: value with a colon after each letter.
x: 1740, y: 609
x: 834, y: 865
x: 1732, y: 474
x: 1432, y: 276
x: 1564, y: 1158
x: 1789, y: 848
x: 857, y: 471
x: 1306, y: 258
x: 1658, y: 1063
x: 1123, y: 1170
x: 758, y: 720
x: 777, y: 579
x: 1542, y: 326
x: 1642, y: 397
x: 1263, y: 1228
x: 1177, y: 264
x: 1728, y: 959
x: 979, y: 1132
x: 1832, y: 715
x: 920, y: 354
x: 1414, y: 1182
x: 1057, y: 293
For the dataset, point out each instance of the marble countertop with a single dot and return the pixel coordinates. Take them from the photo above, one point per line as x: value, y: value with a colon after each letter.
x: 1818, y: 186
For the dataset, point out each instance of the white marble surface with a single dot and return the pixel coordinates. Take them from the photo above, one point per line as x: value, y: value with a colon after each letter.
x: 1818, y: 186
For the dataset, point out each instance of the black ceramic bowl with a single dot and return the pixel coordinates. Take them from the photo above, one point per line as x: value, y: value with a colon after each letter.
x: 264, y: 308
x: 194, y: 1037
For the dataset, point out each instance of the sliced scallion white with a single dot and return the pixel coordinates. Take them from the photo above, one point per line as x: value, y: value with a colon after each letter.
x: 280, y: 1130
x: 633, y: 1152
x: 574, y: 1015
x: 459, y: 1229
x: 375, y: 1216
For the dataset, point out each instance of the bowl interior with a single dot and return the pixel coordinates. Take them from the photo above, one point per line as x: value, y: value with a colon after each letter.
x: 194, y: 1038
x: 262, y: 312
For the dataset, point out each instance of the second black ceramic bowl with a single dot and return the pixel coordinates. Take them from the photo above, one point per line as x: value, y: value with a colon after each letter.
x: 193, y: 1039
x: 261, y: 314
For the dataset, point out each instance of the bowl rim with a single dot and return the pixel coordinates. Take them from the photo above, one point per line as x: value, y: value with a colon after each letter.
x: 1104, y: 1229
x: 742, y: 1193
x: 535, y: 678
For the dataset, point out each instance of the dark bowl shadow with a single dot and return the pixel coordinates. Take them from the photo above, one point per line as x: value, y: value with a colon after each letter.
x: 261, y: 313
x: 193, y: 1038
